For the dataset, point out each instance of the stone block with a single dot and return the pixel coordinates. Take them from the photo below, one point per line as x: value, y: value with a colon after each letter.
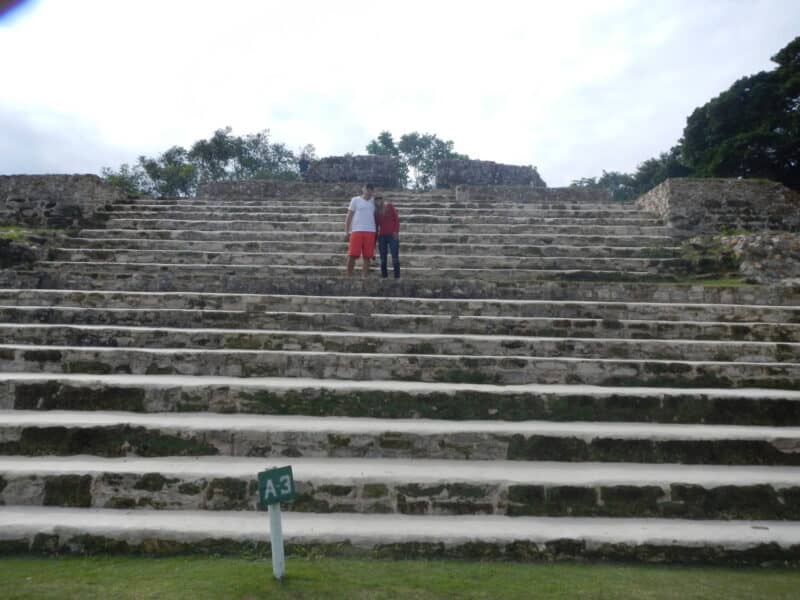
x: 452, y: 172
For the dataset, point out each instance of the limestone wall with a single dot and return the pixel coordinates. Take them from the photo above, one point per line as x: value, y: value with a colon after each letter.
x: 518, y: 193
x: 55, y: 200
x: 452, y: 172
x: 382, y: 171
x: 697, y: 206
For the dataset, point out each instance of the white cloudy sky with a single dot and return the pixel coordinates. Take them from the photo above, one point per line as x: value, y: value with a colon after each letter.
x: 571, y: 86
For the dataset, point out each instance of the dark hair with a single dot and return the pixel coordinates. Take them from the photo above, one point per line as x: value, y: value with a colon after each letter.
x: 378, y: 197
x: 369, y: 186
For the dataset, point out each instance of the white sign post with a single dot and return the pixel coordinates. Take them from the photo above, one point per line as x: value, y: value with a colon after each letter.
x: 276, y: 541
x: 276, y: 486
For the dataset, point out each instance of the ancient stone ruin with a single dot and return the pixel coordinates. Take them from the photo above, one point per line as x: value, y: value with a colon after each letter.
x: 544, y: 383
x: 453, y: 172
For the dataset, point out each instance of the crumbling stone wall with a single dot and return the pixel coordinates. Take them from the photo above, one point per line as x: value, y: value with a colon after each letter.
x: 383, y: 171
x: 696, y: 206
x: 452, y: 172
x: 256, y: 189
x: 55, y: 200
x: 766, y: 257
x: 517, y: 193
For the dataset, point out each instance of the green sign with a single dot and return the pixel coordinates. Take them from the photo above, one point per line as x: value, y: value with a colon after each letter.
x: 275, y: 486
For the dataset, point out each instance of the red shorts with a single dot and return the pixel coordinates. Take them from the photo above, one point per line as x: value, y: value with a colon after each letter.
x: 362, y: 243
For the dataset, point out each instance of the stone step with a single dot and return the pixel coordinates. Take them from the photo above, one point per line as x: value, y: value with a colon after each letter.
x: 418, y: 486
x: 397, y: 399
x: 88, y: 531
x: 449, y: 368
x: 411, y: 261
x: 409, y: 221
x: 186, y: 276
x: 336, y: 246
x: 382, y: 342
x: 337, y: 226
x: 402, y: 203
x: 415, y: 237
x: 695, y: 304
x: 311, y: 209
x: 114, y: 434
x: 405, y: 323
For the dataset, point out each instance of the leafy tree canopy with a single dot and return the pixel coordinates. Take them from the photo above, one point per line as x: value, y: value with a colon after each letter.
x: 417, y: 153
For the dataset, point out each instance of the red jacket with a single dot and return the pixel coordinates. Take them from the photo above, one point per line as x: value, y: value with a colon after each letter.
x: 388, y: 223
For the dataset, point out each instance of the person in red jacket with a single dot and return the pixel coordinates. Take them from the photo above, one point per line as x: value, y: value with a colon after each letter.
x: 388, y: 224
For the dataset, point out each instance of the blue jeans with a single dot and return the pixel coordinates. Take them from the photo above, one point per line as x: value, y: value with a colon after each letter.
x: 386, y: 244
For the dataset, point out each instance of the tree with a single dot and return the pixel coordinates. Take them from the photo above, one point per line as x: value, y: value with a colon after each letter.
x: 131, y: 179
x: 753, y: 128
x: 418, y: 153
x: 171, y: 173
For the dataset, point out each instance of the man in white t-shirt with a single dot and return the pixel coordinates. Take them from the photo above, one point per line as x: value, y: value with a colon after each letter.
x: 359, y: 229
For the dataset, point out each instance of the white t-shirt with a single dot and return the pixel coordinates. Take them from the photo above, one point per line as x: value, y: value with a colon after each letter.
x: 363, y: 214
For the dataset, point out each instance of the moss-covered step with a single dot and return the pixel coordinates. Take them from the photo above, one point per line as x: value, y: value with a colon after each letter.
x: 335, y: 247
x: 397, y: 399
x: 187, y: 274
x: 334, y: 259
x: 585, y: 238
x: 417, y: 486
x: 53, y: 530
x: 404, y: 367
x: 112, y: 434
x: 717, y: 307
x: 164, y: 280
x: 405, y: 323
x: 411, y: 217
x: 336, y: 225
x: 366, y: 342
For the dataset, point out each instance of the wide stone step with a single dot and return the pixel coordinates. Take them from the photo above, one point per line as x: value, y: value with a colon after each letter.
x: 189, y: 276
x: 414, y: 237
x: 335, y: 259
x: 335, y: 247
x: 404, y: 323
x: 381, y: 342
x: 409, y: 221
x: 441, y: 203
x: 337, y: 225
x: 55, y: 530
x: 475, y: 368
x: 397, y: 399
x: 419, y: 486
x: 309, y: 210
x: 113, y: 434
x: 693, y: 304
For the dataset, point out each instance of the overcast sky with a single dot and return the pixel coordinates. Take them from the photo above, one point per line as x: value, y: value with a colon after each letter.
x: 572, y: 87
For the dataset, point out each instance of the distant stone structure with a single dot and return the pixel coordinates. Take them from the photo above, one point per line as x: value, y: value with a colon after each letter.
x: 697, y: 206
x: 55, y: 200
x: 383, y: 171
x: 256, y: 189
x: 453, y: 172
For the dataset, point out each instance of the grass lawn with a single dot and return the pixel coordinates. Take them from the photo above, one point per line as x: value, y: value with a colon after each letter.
x: 196, y: 577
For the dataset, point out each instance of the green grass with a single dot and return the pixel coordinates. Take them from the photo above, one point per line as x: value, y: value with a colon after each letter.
x: 196, y: 578
x: 13, y: 233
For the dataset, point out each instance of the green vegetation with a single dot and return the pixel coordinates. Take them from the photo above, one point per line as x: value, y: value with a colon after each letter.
x: 222, y: 157
x: 417, y: 153
x: 750, y: 130
x: 193, y: 578
x: 13, y: 233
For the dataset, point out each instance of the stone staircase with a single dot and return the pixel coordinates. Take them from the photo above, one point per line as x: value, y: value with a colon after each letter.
x: 537, y: 386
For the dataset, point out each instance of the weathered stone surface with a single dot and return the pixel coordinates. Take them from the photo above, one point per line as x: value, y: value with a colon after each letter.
x: 452, y: 172
x: 13, y: 253
x: 499, y: 194
x: 382, y: 171
x: 262, y: 189
x: 55, y: 200
x: 697, y: 206
x: 767, y: 257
